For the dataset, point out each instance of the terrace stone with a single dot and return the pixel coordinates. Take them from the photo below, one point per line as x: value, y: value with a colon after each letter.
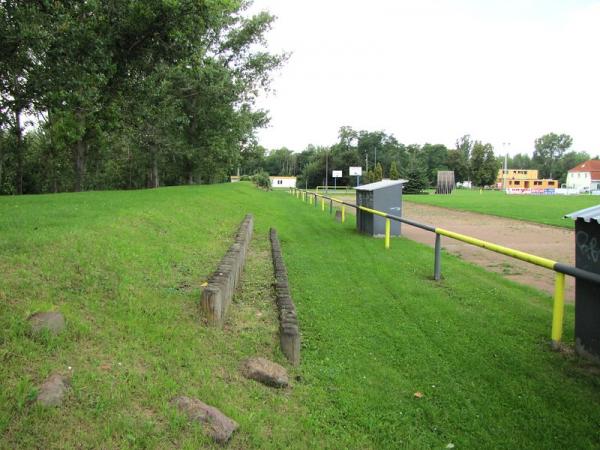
x: 53, y: 390
x: 54, y: 322
x: 216, y: 424
x: 266, y: 372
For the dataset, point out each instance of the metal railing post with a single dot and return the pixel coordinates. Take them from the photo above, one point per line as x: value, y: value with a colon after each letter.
x: 322, y: 204
x: 316, y: 200
x: 437, y: 268
x: 387, y: 233
x: 558, y: 310
x: 343, y: 213
x: 330, y: 206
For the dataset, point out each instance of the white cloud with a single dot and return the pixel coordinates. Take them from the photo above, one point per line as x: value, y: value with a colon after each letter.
x: 431, y: 71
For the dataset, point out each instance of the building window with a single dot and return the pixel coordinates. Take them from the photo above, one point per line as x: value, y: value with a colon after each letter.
x: 279, y: 181
x: 517, y: 182
x: 550, y: 183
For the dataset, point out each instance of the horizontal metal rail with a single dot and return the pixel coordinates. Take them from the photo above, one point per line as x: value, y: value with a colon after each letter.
x: 561, y: 269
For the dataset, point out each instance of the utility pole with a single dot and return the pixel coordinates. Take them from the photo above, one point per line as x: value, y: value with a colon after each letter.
x: 505, y: 171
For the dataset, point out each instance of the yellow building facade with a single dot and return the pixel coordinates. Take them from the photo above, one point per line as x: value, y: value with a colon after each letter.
x: 524, y: 179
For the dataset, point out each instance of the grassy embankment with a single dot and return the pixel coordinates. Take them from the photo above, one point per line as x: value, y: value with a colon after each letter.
x: 545, y: 209
x: 126, y: 269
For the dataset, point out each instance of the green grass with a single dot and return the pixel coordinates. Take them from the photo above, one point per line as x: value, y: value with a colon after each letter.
x: 126, y: 269
x: 545, y: 209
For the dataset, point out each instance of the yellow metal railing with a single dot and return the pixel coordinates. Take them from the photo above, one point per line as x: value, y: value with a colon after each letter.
x: 559, y: 268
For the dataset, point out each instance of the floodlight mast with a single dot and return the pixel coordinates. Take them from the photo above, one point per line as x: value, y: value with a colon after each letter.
x: 505, y: 171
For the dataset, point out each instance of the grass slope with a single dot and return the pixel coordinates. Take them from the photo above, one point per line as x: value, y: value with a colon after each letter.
x: 125, y: 268
x: 545, y: 209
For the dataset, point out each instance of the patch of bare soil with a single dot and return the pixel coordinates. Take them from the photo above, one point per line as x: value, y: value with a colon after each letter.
x: 541, y: 240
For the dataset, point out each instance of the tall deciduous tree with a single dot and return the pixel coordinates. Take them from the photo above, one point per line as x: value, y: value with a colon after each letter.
x: 484, y: 165
x: 548, y: 149
x: 133, y: 93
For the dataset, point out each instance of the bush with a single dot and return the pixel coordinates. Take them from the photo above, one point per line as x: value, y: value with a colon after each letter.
x: 417, y: 181
x: 262, y: 180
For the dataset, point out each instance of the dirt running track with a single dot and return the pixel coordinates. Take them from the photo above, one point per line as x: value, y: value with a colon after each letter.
x: 550, y: 242
x: 541, y: 240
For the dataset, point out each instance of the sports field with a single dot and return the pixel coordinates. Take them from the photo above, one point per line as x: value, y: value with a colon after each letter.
x: 126, y: 269
x: 545, y: 209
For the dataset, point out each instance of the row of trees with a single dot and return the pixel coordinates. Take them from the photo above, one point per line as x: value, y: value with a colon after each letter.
x: 385, y: 157
x: 108, y: 94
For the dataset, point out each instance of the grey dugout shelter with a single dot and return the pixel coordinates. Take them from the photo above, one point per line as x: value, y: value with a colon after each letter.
x: 587, y: 294
x: 384, y: 196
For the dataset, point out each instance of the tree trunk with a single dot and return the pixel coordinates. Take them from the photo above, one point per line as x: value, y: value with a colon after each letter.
x: 80, y: 148
x: 19, y: 150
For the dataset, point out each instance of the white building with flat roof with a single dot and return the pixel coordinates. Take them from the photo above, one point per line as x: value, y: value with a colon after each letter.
x: 282, y: 182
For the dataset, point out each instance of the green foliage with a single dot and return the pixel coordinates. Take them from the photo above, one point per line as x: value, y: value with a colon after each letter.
x: 370, y: 177
x: 378, y: 172
x: 262, y: 180
x: 394, y: 174
x: 459, y: 158
x: 548, y: 149
x: 484, y: 165
x: 417, y: 180
x: 133, y: 95
x: 281, y: 162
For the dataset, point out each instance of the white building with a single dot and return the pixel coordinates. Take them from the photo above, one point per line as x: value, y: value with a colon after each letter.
x: 283, y: 182
x: 585, y: 176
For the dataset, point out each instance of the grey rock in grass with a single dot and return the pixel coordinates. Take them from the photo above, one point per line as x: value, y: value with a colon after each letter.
x: 266, y: 372
x: 54, y: 322
x: 53, y: 391
x: 216, y: 424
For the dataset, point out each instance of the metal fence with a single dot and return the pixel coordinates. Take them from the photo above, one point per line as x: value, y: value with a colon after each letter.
x: 559, y: 268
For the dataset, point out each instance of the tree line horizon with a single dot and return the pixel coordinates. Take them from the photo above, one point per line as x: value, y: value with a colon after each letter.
x: 126, y: 95
x: 382, y: 156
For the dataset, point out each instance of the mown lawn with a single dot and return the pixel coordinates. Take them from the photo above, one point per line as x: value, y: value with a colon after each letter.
x: 545, y: 209
x: 126, y: 269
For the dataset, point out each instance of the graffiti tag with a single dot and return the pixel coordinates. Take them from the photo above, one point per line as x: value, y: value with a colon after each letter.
x: 590, y: 248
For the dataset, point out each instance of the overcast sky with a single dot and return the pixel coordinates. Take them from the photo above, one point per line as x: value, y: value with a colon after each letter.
x: 434, y: 70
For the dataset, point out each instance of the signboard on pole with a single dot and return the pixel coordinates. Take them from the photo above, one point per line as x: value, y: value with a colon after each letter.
x: 337, y: 174
x: 356, y: 171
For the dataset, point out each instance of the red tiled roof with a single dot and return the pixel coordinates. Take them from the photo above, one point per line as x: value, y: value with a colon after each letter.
x: 593, y: 165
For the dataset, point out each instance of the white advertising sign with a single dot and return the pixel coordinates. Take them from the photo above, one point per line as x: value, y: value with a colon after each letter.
x: 337, y: 174
x: 355, y: 171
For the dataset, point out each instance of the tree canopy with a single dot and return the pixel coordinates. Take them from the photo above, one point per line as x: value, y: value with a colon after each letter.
x: 125, y: 94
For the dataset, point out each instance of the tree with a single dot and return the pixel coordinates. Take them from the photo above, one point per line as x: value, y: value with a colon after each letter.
x: 458, y: 164
x: 459, y: 158
x: 378, y: 172
x: 484, y: 165
x: 394, y: 174
x: 567, y: 162
x: 434, y: 157
x: 548, y: 149
x: 417, y: 180
x: 134, y: 93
